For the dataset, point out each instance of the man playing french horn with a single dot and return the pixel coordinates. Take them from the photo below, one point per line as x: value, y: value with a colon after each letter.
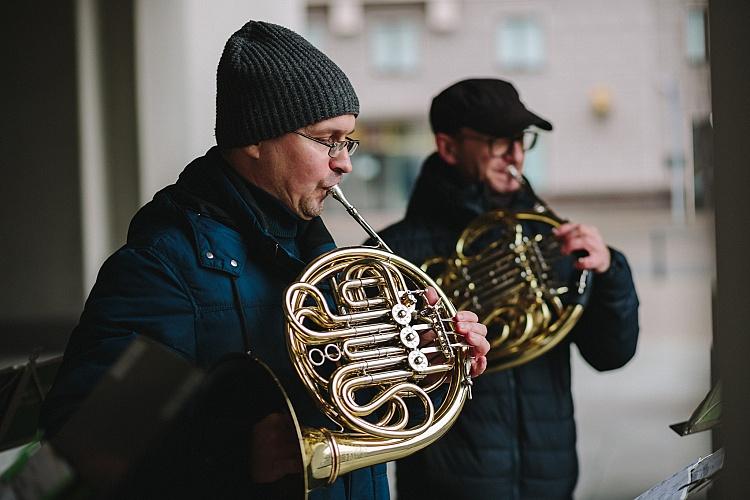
x: 207, y: 268
x: 516, y: 437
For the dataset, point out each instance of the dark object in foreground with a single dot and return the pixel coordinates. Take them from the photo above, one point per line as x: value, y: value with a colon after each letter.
x: 22, y: 391
x: 157, y: 427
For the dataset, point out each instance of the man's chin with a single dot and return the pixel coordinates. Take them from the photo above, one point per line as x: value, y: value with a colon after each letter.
x: 506, y: 187
x: 311, y: 210
x: 514, y: 186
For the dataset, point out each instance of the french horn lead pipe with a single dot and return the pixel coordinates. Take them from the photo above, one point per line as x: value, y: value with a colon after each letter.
x: 513, y: 171
x: 336, y: 192
x: 540, y: 206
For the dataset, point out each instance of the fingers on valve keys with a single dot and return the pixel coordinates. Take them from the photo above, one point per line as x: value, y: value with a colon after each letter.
x: 475, y: 333
x: 466, y: 324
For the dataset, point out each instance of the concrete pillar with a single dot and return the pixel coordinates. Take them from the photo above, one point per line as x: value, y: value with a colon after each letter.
x: 178, y: 45
x: 730, y: 79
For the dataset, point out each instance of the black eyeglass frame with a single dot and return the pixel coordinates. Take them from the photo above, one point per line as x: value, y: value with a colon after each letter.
x: 493, y: 146
x: 335, y: 148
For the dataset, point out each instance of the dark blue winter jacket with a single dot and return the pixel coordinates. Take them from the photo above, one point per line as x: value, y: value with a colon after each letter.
x: 202, y: 274
x: 517, y: 437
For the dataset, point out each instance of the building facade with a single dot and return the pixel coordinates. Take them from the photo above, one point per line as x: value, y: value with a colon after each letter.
x: 624, y: 83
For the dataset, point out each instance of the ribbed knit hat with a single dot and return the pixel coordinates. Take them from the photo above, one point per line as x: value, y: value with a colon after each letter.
x: 271, y: 81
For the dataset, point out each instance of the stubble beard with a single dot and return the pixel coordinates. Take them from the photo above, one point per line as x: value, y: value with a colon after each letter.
x: 507, y: 183
x: 507, y: 187
x: 311, y: 208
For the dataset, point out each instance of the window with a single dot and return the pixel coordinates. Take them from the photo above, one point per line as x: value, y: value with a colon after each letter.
x: 387, y: 163
x: 315, y: 31
x: 395, y: 45
x: 535, y: 163
x: 519, y: 44
x: 695, y: 39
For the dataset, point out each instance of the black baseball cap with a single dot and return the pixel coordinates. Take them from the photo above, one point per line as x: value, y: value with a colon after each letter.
x: 487, y: 105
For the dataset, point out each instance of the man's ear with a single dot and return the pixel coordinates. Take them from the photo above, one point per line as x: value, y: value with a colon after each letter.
x: 447, y: 148
x: 242, y: 158
x: 251, y: 151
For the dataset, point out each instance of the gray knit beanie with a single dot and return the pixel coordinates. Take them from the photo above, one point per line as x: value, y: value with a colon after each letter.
x: 271, y: 81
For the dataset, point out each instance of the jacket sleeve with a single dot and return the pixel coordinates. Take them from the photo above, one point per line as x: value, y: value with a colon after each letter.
x: 607, y: 332
x: 136, y: 293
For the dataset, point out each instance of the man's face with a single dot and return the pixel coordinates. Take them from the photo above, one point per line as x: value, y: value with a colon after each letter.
x: 298, y: 171
x: 486, y: 159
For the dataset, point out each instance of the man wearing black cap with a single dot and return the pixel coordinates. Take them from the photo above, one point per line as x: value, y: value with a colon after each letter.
x: 208, y: 259
x: 516, y: 437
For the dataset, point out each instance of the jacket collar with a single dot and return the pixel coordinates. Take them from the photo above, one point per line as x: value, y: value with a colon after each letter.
x: 442, y: 193
x: 210, y: 189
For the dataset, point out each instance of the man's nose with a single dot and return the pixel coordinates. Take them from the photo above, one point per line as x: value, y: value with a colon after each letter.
x: 342, y: 163
x: 515, y: 152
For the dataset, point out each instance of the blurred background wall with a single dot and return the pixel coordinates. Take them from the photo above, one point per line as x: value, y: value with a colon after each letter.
x: 105, y: 102
x: 624, y: 83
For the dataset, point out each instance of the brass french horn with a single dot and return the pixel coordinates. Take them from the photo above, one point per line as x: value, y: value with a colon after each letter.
x: 354, y: 322
x: 503, y: 269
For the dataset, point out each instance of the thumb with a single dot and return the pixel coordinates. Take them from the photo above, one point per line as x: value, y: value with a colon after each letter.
x: 431, y: 295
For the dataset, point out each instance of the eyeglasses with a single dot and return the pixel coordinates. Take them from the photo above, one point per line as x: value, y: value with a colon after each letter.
x: 335, y: 148
x: 500, y: 146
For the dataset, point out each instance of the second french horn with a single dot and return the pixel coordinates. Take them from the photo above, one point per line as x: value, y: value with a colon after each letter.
x: 504, y: 269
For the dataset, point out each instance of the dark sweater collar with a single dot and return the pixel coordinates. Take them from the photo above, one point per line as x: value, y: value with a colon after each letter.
x: 276, y: 217
x: 211, y: 186
x: 442, y: 192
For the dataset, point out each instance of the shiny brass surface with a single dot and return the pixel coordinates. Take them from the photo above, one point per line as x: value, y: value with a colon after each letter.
x: 355, y: 317
x: 504, y: 273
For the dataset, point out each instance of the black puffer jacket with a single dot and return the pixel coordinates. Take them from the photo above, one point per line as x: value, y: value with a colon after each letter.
x: 517, y: 437
x: 203, y: 273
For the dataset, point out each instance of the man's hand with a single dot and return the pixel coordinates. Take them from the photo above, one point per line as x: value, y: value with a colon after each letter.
x: 467, y: 324
x: 577, y: 237
x: 274, y: 449
x: 474, y: 332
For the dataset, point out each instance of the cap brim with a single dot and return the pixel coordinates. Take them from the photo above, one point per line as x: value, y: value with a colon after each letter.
x: 504, y: 125
x: 540, y: 122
